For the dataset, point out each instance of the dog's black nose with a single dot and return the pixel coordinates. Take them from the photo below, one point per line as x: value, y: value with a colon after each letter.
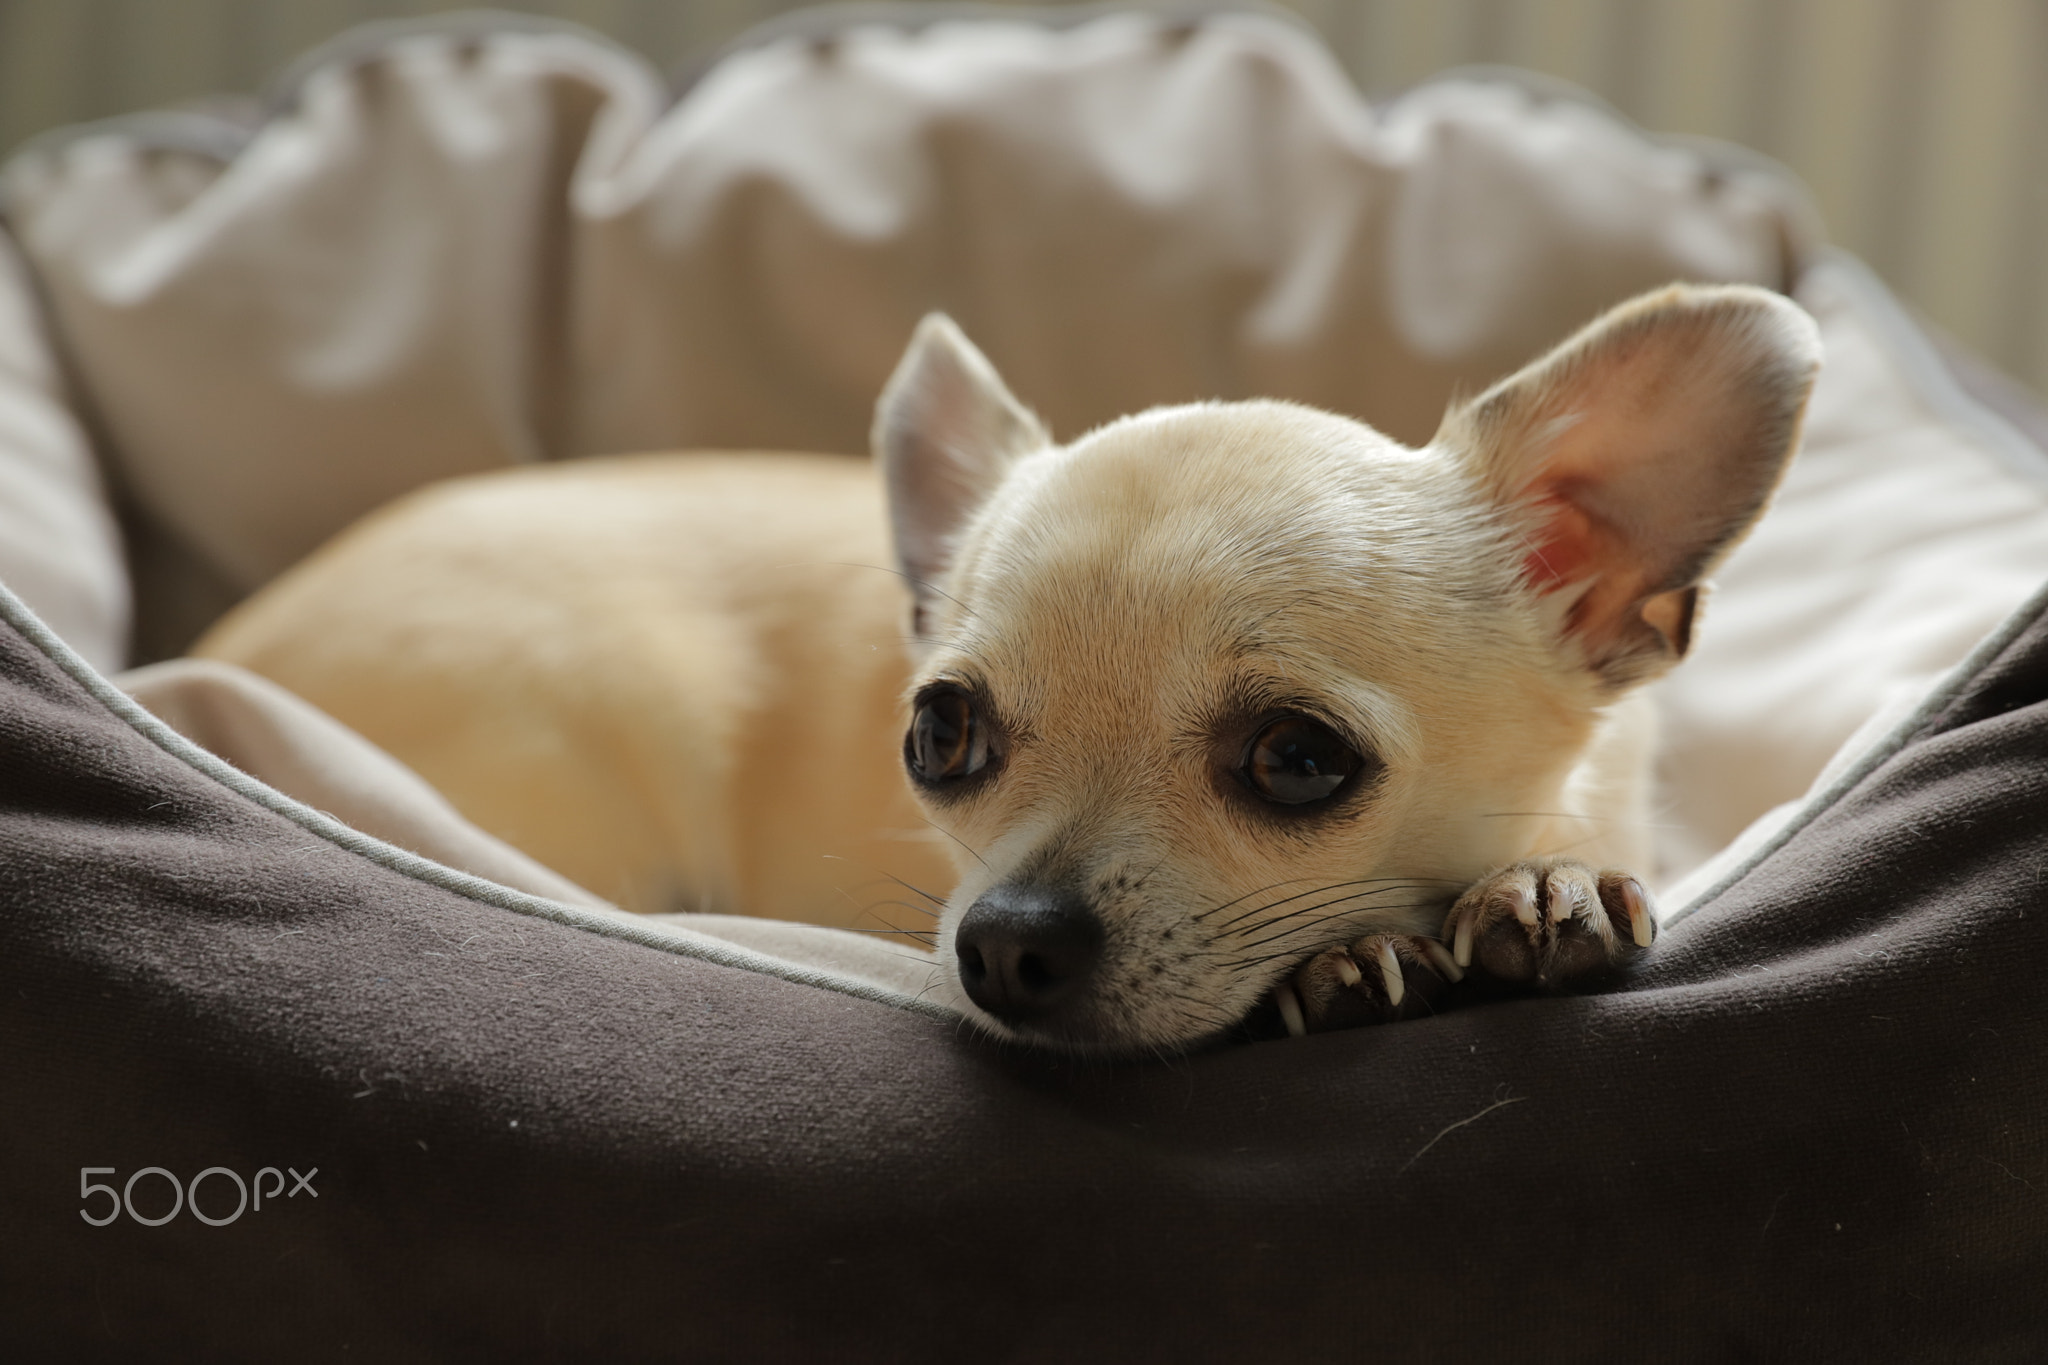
x: 1026, y: 950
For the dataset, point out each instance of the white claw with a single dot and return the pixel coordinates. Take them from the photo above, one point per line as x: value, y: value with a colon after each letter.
x: 1461, y: 942
x: 1525, y: 907
x: 1560, y: 904
x: 1390, y: 972
x: 1347, y: 970
x: 1290, y: 1012
x: 1639, y: 918
x: 1440, y: 958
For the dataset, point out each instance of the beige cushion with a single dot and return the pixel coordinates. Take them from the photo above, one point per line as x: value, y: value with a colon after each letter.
x: 1912, y: 522
x: 453, y: 252
x: 448, y: 255
x: 59, y: 548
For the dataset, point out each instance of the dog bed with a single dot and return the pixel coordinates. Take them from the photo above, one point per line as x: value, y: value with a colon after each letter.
x: 1815, y: 1121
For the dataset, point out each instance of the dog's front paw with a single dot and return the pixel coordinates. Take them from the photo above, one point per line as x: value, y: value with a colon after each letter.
x: 1374, y: 980
x: 1550, y: 921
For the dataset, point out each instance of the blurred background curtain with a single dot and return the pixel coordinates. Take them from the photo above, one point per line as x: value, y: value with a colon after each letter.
x: 1921, y: 126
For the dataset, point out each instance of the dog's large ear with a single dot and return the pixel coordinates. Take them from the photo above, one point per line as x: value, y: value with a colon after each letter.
x: 945, y: 431
x: 1634, y: 456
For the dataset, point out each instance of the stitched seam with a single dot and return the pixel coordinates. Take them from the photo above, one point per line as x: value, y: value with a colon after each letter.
x: 680, y: 942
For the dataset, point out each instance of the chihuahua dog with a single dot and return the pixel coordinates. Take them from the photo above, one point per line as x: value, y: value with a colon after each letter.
x: 1216, y: 705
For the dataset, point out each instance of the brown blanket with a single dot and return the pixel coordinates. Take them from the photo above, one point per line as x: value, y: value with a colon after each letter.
x: 1814, y: 1124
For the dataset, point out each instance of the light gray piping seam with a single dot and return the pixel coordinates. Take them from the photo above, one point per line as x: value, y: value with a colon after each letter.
x: 223, y: 139
x: 190, y: 131
x: 1797, y: 210
x: 824, y: 23
x: 372, y: 41
x: 679, y: 942
x: 1952, y: 686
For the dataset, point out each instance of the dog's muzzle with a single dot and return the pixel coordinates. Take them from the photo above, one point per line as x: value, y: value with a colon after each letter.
x: 1026, y: 952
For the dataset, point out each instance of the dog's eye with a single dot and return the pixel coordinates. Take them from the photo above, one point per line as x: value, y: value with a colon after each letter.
x: 1295, y: 761
x: 947, y: 739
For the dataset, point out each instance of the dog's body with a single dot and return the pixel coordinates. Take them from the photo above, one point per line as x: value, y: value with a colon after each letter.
x: 675, y: 679
x: 1216, y: 699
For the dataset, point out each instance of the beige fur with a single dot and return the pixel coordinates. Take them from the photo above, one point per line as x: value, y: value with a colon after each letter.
x: 673, y: 679
x: 682, y: 680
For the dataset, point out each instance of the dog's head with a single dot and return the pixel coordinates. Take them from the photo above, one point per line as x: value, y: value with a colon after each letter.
x: 1215, y: 686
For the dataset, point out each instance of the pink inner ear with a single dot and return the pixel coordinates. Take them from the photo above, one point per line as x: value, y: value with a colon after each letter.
x: 1572, y: 548
x: 1566, y: 548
